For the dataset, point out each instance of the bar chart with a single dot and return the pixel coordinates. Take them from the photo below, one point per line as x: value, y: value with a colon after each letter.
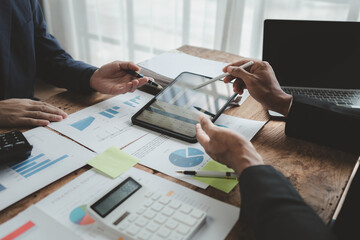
x: 35, y: 164
x: 110, y: 112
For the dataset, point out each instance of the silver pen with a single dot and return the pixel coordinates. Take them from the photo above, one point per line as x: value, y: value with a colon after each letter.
x: 245, y: 65
x: 211, y: 174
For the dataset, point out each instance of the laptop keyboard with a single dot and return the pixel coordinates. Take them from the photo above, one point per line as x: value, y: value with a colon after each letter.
x: 340, y: 97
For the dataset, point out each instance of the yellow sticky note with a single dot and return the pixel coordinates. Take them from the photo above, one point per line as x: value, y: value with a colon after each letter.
x: 113, y: 162
x: 225, y: 185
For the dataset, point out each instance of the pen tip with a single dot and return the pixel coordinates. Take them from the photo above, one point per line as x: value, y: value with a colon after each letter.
x: 178, y: 171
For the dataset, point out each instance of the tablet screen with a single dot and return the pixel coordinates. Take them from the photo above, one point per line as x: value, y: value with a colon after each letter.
x: 177, y: 107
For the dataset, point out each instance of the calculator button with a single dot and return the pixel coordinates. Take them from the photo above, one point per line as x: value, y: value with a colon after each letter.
x: 157, y: 207
x: 144, y: 235
x: 148, y: 203
x: 160, y: 219
x: 156, y: 196
x: 148, y: 194
x: 171, y: 224
x: 185, y: 209
x: 175, y: 236
x: 167, y: 212
x: 19, y: 143
x: 133, y: 230
x: 164, y: 232
x: 197, y: 214
x: 141, y: 222
x: 175, y: 204
x: 140, y: 211
x: 183, y: 230
x: 123, y: 225
x: 164, y: 200
x: 184, y: 219
x: 153, y: 227
x: 132, y: 217
x: 150, y: 214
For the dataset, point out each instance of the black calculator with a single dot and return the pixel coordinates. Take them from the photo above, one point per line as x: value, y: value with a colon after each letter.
x: 14, y: 148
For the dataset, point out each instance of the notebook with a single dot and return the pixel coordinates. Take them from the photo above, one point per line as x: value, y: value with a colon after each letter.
x: 320, y: 59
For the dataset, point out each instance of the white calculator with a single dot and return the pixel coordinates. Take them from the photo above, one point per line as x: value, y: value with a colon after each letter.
x: 131, y: 211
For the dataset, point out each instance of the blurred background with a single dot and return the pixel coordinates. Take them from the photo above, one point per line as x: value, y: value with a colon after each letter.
x: 99, y: 31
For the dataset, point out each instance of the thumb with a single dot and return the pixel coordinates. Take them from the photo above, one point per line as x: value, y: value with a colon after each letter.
x: 207, y: 125
x: 239, y: 72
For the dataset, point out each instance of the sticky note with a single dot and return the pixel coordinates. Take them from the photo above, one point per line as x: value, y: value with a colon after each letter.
x: 223, y: 184
x: 113, y: 162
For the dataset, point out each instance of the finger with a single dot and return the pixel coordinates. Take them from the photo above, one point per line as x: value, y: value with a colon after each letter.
x: 238, y: 85
x: 239, y: 72
x: 32, y: 122
x: 207, y: 126
x: 144, y: 80
x: 129, y: 65
x: 118, y: 89
x: 202, y: 137
x: 228, y: 79
x: 43, y: 115
x: 238, y: 63
x: 48, y: 108
x: 134, y: 86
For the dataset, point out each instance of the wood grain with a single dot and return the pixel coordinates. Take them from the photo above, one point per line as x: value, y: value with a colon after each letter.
x: 319, y: 173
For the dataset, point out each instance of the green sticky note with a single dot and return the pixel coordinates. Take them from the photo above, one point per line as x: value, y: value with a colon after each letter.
x: 223, y: 184
x: 113, y: 162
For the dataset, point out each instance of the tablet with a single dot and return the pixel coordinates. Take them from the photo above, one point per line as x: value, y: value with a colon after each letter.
x: 176, y: 109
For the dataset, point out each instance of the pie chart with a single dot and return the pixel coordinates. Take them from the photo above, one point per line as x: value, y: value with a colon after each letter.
x: 189, y: 157
x: 79, y: 216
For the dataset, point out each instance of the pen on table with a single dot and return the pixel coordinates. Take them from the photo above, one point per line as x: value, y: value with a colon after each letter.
x: 139, y: 75
x: 248, y: 64
x: 204, y: 111
x: 211, y: 174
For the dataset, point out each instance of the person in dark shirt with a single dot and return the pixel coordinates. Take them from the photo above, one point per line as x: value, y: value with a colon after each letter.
x: 28, y: 51
x: 270, y: 203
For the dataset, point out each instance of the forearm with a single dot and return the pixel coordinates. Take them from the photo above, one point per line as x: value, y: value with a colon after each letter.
x: 272, y: 206
x: 324, y: 123
x: 54, y: 64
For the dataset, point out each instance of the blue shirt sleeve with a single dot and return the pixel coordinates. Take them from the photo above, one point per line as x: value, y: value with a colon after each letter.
x: 54, y: 64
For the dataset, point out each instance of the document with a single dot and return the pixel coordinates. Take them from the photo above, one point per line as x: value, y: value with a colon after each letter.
x: 47, y: 163
x: 247, y: 128
x: 167, y: 66
x: 34, y: 224
x: 167, y: 154
x: 105, y: 124
x: 68, y: 204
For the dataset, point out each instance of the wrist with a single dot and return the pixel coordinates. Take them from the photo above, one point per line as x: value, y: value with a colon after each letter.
x: 283, y: 104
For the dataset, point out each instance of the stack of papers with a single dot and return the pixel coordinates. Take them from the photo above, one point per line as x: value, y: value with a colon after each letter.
x: 167, y: 66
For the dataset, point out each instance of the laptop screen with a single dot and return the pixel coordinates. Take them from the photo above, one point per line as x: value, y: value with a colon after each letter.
x: 319, y: 54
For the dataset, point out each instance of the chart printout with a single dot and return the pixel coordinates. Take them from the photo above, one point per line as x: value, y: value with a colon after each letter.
x: 105, y: 124
x: 47, y: 163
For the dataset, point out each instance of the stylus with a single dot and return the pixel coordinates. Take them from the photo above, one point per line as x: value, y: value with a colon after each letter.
x: 139, y: 75
x: 248, y: 64
x: 229, y: 175
x: 204, y: 111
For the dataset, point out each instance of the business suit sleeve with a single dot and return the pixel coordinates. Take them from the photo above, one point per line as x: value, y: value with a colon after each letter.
x: 324, y: 123
x: 274, y: 209
x: 54, y: 65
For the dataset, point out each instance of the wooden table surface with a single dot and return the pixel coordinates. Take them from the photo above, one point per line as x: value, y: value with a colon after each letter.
x: 319, y: 173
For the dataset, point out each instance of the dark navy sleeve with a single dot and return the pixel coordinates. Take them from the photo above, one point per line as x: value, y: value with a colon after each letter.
x: 53, y: 63
x: 275, y: 210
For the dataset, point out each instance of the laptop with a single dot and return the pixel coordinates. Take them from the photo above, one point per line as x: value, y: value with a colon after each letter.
x: 320, y: 59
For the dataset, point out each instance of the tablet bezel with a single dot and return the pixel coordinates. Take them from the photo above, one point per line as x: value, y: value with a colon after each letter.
x: 168, y: 132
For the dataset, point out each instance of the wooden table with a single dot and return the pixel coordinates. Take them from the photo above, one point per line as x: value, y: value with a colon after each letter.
x: 319, y: 173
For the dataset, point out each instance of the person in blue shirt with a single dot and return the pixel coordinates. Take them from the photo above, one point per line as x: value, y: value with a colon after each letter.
x: 28, y: 51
